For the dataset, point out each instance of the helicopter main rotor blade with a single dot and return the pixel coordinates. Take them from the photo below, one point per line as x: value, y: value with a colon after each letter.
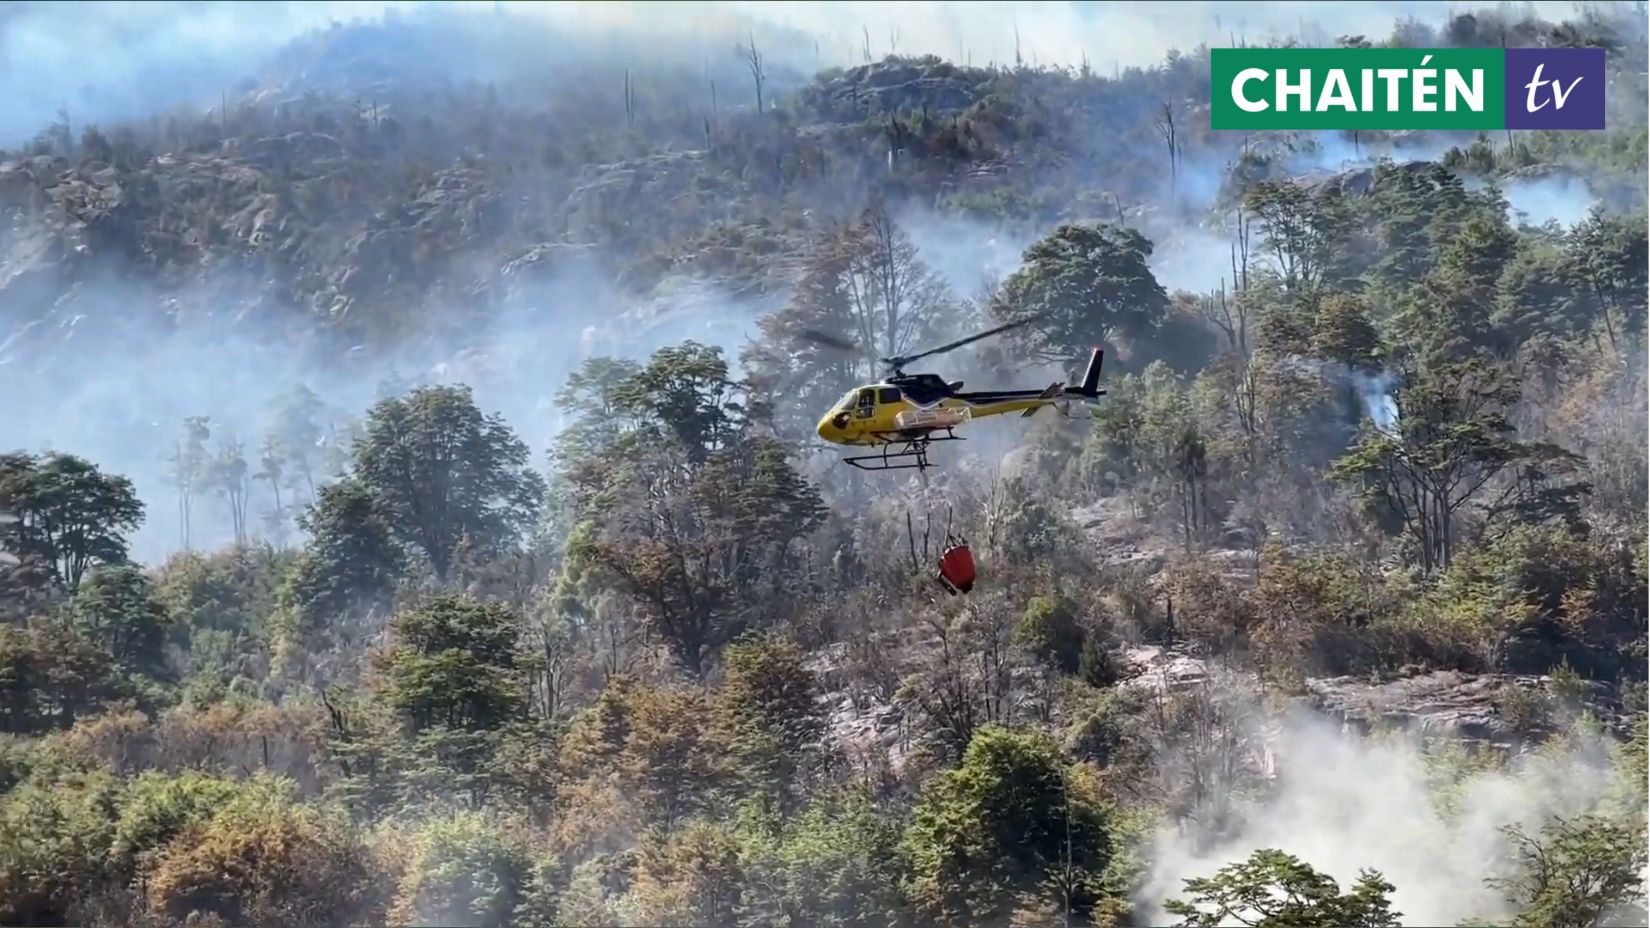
x: 829, y: 340
x: 902, y: 361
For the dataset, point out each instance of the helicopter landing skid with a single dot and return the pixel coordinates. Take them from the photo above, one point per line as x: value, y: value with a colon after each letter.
x: 901, y: 454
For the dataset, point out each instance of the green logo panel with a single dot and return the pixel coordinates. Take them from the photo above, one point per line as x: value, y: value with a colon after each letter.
x: 1357, y: 88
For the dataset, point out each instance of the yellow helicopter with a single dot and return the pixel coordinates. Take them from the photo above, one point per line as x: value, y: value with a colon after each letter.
x: 904, y: 413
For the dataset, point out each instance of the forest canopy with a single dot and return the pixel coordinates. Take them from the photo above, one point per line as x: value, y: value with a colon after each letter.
x: 553, y: 634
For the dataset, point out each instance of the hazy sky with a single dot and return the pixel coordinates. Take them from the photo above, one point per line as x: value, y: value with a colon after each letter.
x: 104, y: 61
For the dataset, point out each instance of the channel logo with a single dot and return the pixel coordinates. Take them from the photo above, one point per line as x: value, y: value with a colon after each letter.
x: 1406, y: 88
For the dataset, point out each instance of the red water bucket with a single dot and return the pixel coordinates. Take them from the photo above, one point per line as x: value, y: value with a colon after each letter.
x: 957, y: 568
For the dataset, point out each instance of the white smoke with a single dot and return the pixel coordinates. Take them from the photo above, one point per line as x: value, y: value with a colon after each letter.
x: 1343, y: 803
x: 1379, y: 402
x: 1563, y: 199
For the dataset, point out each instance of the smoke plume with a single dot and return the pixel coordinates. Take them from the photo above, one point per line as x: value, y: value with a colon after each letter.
x: 1343, y: 803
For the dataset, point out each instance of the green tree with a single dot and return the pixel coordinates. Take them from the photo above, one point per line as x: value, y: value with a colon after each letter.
x: 1448, y: 315
x: 227, y: 473
x: 1050, y: 630
x: 115, y: 609
x: 454, y: 665
x: 352, y: 560
x: 296, y: 434
x: 443, y: 471
x: 54, y: 841
x: 220, y: 606
x: 157, y: 808
x: 837, y: 865
x: 1086, y: 285
x: 1607, y: 253
x: 597, y: 394
x: 771, y: 700
x: 1154, y: 438
x: 1452, y: 447
x: 684, y: 393
x: 1342, y: 332
x: 1577, y: 872
x: 1303, y: 234
x: 698, y: 522
x: 455, y: 693
x: 1273, y: 889
x: 1538, y: 295
x: 466, y: 869
x: 1007, y: 821
x: 62, y: 511
x: 189, y: 461
x: 50, y: 677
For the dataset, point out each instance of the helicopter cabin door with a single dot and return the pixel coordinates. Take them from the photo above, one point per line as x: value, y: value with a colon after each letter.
x: 865, y: 406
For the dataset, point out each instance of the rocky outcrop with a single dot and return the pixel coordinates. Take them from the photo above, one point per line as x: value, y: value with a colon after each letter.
x: 608, y: 198
x: 1499, y: 709
x: 1361, y: 181
x: 939, y: 87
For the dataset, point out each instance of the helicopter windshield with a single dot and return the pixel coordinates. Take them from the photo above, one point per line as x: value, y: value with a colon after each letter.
x: 847, y: 403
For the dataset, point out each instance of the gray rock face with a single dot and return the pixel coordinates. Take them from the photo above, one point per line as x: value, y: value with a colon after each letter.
x: 1501, y: 710
x: 1447, y: 703
x: 1359, y: 182
x: 1163, y: 669
x: 940, y: 87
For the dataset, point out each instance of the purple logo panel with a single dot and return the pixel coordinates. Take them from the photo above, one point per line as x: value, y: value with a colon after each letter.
x: 1555, y: 88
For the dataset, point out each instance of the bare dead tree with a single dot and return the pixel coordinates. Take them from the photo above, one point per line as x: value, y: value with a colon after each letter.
x: 1166, y: 129
x: 549, y: 670
x: 629, y: 100
x: 753, y: 60
x: 1224, y: 314
x: 1246, y: 398
x: 911, y: 537
x: 893, y: 295
x: 338, y: 727
x: 990, y: 632
x: 947, y: 696
x: 1240, y: 253
x: 866, y: 51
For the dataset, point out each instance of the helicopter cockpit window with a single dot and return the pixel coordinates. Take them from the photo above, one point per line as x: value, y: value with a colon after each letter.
x: 847, y: 402
x: 888, y: 395
x: 867, y: 404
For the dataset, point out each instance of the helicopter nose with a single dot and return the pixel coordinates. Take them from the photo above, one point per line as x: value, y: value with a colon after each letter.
x: 830, y: 427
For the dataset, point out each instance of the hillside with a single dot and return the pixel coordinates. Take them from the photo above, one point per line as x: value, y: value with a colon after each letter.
x: 411, y: 506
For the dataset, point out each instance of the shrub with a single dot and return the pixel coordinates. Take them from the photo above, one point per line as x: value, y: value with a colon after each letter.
x: 1049, y: 630
x: 267, y: 859
x: 54, y: 833
x: 465, y: 870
